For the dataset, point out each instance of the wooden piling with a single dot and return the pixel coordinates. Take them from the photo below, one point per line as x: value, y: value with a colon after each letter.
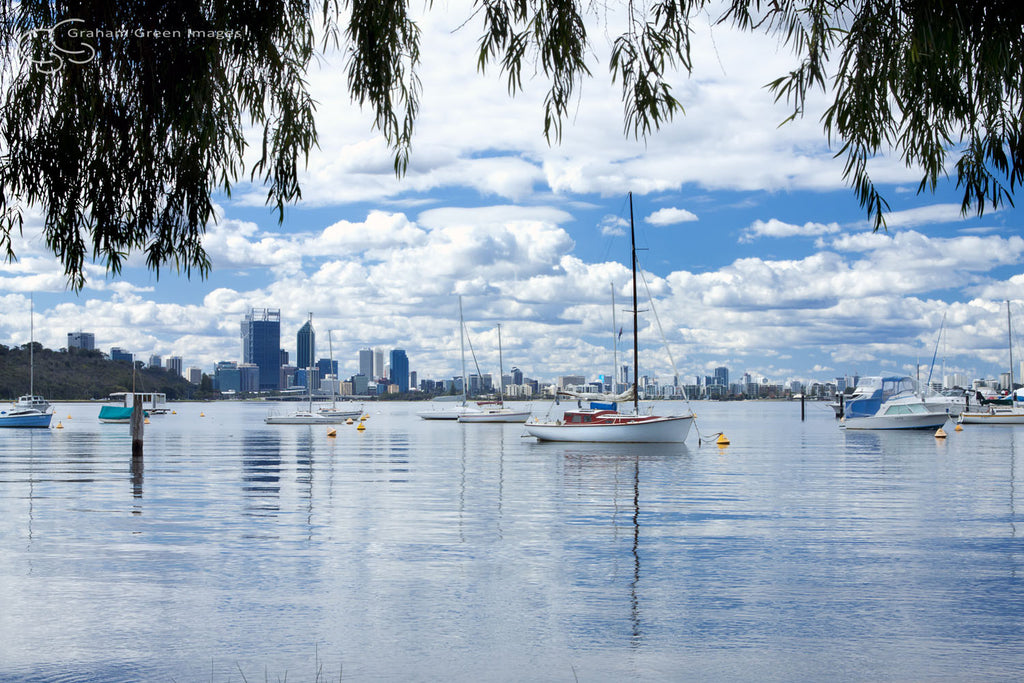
x: 801, y: 406
x: 138, y: 415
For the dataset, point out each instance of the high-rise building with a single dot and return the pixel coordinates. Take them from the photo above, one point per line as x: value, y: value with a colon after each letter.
x: 366, y: 362
x: 517, y: 376
x: 117, y: 353
x: 399, y: 369
x: 194, y: 375
x: 156, y: 361
x: 226, y: 376
x: 305, y: 345
x: 722, y: 376
x: 82, y: 340
x: 378, y: 363
x: 174, y: 364
x: 261, y: 344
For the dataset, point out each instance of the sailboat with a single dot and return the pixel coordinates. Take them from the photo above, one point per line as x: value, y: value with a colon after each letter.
x: 500, y: 413
x: 454, y: 412
x: 602, y: 422
x: 29, y: 410
x: 309, y: 416
x: 993, y: 413
x: 334, y: 410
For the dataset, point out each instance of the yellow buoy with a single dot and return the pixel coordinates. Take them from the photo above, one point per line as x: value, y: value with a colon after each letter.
x: 940, y: 434
x: 722, y: 440
x: 349, y: 421
x: 364, y: 417
x: 146, y: 421
x: 958, y: 428
x: 69, y: 417
x: 361, y: 427
x: 60, y: 425
x: 202, y: 414
x: 174, y: 412
x: 332, y: 432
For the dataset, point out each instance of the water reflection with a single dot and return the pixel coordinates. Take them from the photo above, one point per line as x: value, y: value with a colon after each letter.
x: 261, y: 472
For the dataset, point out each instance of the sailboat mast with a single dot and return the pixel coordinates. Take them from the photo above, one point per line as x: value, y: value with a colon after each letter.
x: 462, y: 345
x: 615, y: 344
x: 31, y: 344
x: 1009, y: 343
x: 636, y: 352
x: 501, y: 372
x: 309, y: 368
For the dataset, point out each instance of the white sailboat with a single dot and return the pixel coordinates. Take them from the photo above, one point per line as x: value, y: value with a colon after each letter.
x: 29, y: 410
x: 602, y: 422
x: 500, y: 413
x: 453, y: 412
x: 308, y: 416
x: 334, y: 410
x: 1012, y: 414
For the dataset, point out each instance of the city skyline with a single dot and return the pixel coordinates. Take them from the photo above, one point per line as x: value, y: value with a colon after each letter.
x: 756, y: 254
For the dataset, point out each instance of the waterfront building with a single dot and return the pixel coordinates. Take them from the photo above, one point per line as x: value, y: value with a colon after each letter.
x: 156, y: 361
x: 287, y: 376
x: 722, y: 376
x: 412, y: 380
x: 399, y: 370
x: 226, y: 376
x: 82, y: 340
x: 378, y: 364
x: 261, y: 344
x: 327, y: 367
x: 360, y: 384
x: 566, y: 381
x: 194, y: 375
x: 248, y: 377
x: 174, y: 364
x: 117, y: 353
x: 517, y: 376
x: 305, y: 345
x: 366, y: 362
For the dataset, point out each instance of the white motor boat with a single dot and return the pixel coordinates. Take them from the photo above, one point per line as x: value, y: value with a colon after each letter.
x: 890, y: 403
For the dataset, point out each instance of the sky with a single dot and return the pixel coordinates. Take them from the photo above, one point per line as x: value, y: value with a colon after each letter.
x: 755, y: 254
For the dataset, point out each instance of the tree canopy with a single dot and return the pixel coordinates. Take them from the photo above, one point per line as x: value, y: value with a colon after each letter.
x: 120, y: 121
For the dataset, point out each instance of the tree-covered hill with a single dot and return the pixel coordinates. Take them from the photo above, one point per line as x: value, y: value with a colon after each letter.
x: 77, y: 374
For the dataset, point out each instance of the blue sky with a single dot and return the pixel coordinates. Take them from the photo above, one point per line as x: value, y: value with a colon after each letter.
x: 757, y: 255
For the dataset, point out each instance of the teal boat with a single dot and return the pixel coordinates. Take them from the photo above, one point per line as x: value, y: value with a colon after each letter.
x: 117, y: 414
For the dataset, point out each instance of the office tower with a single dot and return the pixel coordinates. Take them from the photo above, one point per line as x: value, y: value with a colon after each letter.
x: 261, y: 344
x: 366, y: 362
x: 305, y: 345
x: 155, y: 361
x: 226, y: 376
x: 517, y: 376
x: 378, y: 363
x: 248, y: 377
x: 412, y: 379
x: 117, y: 353
x: 82, y: 340
x: 194, y: 375
x: 399, y: 369
x: 174, y: 364
x: 722, y: 376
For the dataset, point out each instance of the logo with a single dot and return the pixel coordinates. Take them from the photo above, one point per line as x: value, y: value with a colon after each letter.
x: 50, y: 49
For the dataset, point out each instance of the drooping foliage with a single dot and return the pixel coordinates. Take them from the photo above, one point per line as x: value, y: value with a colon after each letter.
x: 120, y: 121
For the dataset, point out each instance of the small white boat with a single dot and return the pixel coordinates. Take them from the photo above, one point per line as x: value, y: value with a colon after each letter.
x: 995, y: 411
x: 996, y: 415
x: 601, y: 422
x: 501, y: 414
x: 29, y: 410
x: 448, y: 413
x: 950, y: 401
x: 305, y: 417
x: 342, y: 413
x: 606, y: 425
x: 890, y: 403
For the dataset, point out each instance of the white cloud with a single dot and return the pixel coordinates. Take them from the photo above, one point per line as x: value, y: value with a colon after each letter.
x: 670, y: 216
x: 777, y: 228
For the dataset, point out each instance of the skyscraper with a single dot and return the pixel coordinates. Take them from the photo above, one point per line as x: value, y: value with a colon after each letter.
x: 305, y: 345
x: 378, y: 363
x: 174, y: 364
x: 261, y: 344
x: 81, y: 340
x: 366, y: 362
x: 399, y: 369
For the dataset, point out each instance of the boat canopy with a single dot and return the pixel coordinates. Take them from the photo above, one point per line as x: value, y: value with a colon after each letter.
x: 872, y: 392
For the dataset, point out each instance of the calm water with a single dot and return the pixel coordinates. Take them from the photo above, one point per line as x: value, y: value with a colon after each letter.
x: 433, y: 551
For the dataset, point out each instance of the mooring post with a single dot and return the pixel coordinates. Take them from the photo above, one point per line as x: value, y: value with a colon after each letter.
x: 138, y: 416
x: 801, y: 406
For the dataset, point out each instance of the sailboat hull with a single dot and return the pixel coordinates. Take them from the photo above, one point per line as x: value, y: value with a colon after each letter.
x: 500, y: 415
x: 1001, y: 416
x: 25, y: 418
x: 670, y: 429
